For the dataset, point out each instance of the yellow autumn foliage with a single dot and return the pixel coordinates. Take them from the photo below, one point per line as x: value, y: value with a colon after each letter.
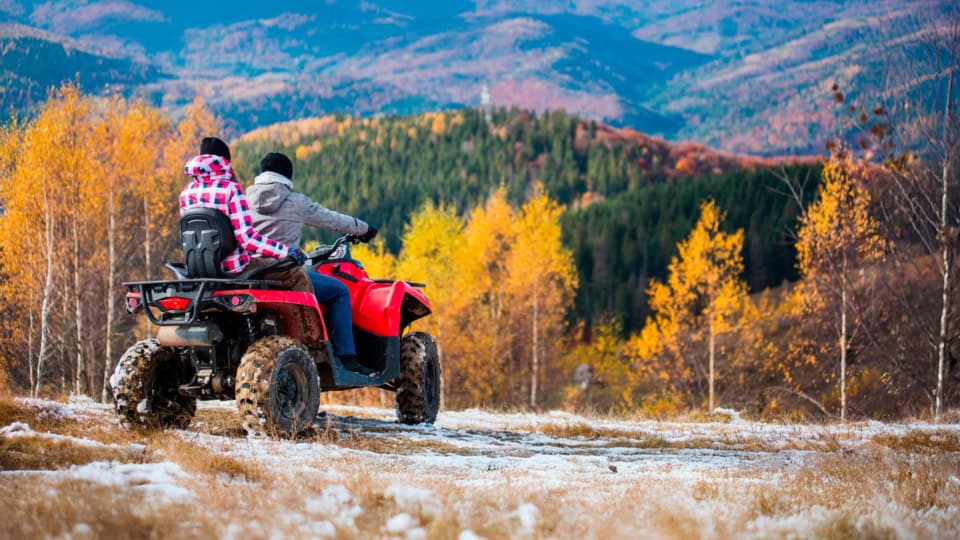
x: 489, y: 279
x: 702, y: 298
x: 89, y: 196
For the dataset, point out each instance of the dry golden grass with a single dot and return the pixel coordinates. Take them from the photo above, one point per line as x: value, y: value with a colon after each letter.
x: 85, y: 509
x: 199, y: 460
x: 11, y: 411
x: 921, y: 442
x: 218, y: 421
x: 388, y: 445
x: 40, y: 453
x: 727, y: 438
x: 92, y: 428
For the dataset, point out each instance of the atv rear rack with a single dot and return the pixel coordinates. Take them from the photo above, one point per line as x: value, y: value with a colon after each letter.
x: 152, y: 291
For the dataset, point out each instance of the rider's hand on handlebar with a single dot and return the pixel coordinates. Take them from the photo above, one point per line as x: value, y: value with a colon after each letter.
x: 369, y: 235
x: 297, y: 256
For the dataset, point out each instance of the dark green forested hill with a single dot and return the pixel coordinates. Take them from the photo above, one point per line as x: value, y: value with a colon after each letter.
x: 632, y: 196
x: 620, y: 243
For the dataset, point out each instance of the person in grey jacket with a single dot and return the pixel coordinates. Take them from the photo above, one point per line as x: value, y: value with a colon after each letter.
x: 280, y: 213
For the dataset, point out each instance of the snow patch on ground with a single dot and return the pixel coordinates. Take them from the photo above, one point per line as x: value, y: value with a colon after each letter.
x: 16, y: 429
x: 417, y: 501
x: 732, y: 415
x: 338, y: 508
x: 21, y: 429
x: 528, y: 514
x: 155, y: 480
x: 49, y: 410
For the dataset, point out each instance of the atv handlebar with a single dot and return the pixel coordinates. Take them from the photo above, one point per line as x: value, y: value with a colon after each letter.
x: 324, y: 252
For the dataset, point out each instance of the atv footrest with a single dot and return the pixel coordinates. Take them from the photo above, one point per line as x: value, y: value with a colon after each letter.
x: 342, y: 377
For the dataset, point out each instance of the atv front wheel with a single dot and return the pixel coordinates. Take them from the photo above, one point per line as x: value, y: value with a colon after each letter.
x: 278, y: 389
x: 418, y: 387
x: 146, y: 385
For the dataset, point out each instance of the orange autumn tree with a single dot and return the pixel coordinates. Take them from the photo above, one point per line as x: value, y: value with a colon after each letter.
x: 704, y: 292
x: 488, y: 237
x: 89, y: 195
x: 542, y: 281
x: 13, y: 330
x: 500, y: 283
x: 46, y: 197
x: 135, y: 133
x: 837, y: 236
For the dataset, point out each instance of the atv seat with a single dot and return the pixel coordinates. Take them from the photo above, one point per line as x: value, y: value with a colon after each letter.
x: 207, y: 237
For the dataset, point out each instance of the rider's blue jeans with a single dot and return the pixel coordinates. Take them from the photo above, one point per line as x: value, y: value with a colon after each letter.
x: 332, y: 292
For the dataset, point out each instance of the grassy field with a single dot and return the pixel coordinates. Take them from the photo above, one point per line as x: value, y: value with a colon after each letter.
x: 68, y: 470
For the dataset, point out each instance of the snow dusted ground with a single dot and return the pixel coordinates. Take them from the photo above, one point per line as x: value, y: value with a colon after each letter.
x: 477, y: 474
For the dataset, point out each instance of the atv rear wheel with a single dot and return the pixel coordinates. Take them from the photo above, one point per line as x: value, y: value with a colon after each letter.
x: 418, y: 387
x: 146, y: 385
x: 278, y: 389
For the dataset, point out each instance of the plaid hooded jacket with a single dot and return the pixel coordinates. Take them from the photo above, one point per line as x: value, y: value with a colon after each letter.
x: 214, y: 186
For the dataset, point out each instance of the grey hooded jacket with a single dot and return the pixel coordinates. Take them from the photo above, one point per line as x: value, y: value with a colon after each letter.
x: 280, y: 213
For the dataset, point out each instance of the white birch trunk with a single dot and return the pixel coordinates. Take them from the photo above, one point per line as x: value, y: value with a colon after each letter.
x: 30, y: 344
x: 535, y: 359
x: 64, y: 362
x: 47, y: 292
x: 942, y: 346
x: 712, y: 347
x: 146, y: 250
x: 79, y: 373
x: 945, y: 239
x: 111, y: 278
x: 843, y: 353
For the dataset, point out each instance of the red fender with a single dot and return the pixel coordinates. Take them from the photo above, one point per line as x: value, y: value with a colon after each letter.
x: 299, y: 311
x: 379, y: 307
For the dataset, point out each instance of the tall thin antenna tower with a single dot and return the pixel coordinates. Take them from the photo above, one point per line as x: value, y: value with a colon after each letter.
x: 485, y: 101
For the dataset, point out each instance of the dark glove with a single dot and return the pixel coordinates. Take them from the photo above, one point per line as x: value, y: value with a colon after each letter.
x: 297, y: 256
x: 369, y: 235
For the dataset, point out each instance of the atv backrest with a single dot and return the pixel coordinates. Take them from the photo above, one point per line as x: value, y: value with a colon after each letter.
x: 206, y: 236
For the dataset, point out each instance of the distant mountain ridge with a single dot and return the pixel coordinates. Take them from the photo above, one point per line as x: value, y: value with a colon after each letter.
x: 749, y: 76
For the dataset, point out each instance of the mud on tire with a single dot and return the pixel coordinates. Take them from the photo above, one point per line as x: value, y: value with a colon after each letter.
x: 145, y: 388
x: 278, y: 389
x: 418, y: 387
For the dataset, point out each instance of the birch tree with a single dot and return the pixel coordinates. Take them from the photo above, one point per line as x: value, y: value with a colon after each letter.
x: 837, y: 236
x: 489, y: 237
x: 704, y: 290
x: 918, y: 133
x: 542, y: 281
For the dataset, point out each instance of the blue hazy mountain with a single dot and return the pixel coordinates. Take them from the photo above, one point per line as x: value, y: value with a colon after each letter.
x: 713, y: 72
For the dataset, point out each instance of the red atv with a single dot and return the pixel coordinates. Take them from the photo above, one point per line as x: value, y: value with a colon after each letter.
x: 241, y: 337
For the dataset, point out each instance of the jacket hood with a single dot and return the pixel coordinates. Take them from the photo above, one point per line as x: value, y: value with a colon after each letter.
x: 268, y: 192
x: 207, y: 168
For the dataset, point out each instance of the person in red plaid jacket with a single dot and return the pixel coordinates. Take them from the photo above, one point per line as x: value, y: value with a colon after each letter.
x: 215, y: 186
